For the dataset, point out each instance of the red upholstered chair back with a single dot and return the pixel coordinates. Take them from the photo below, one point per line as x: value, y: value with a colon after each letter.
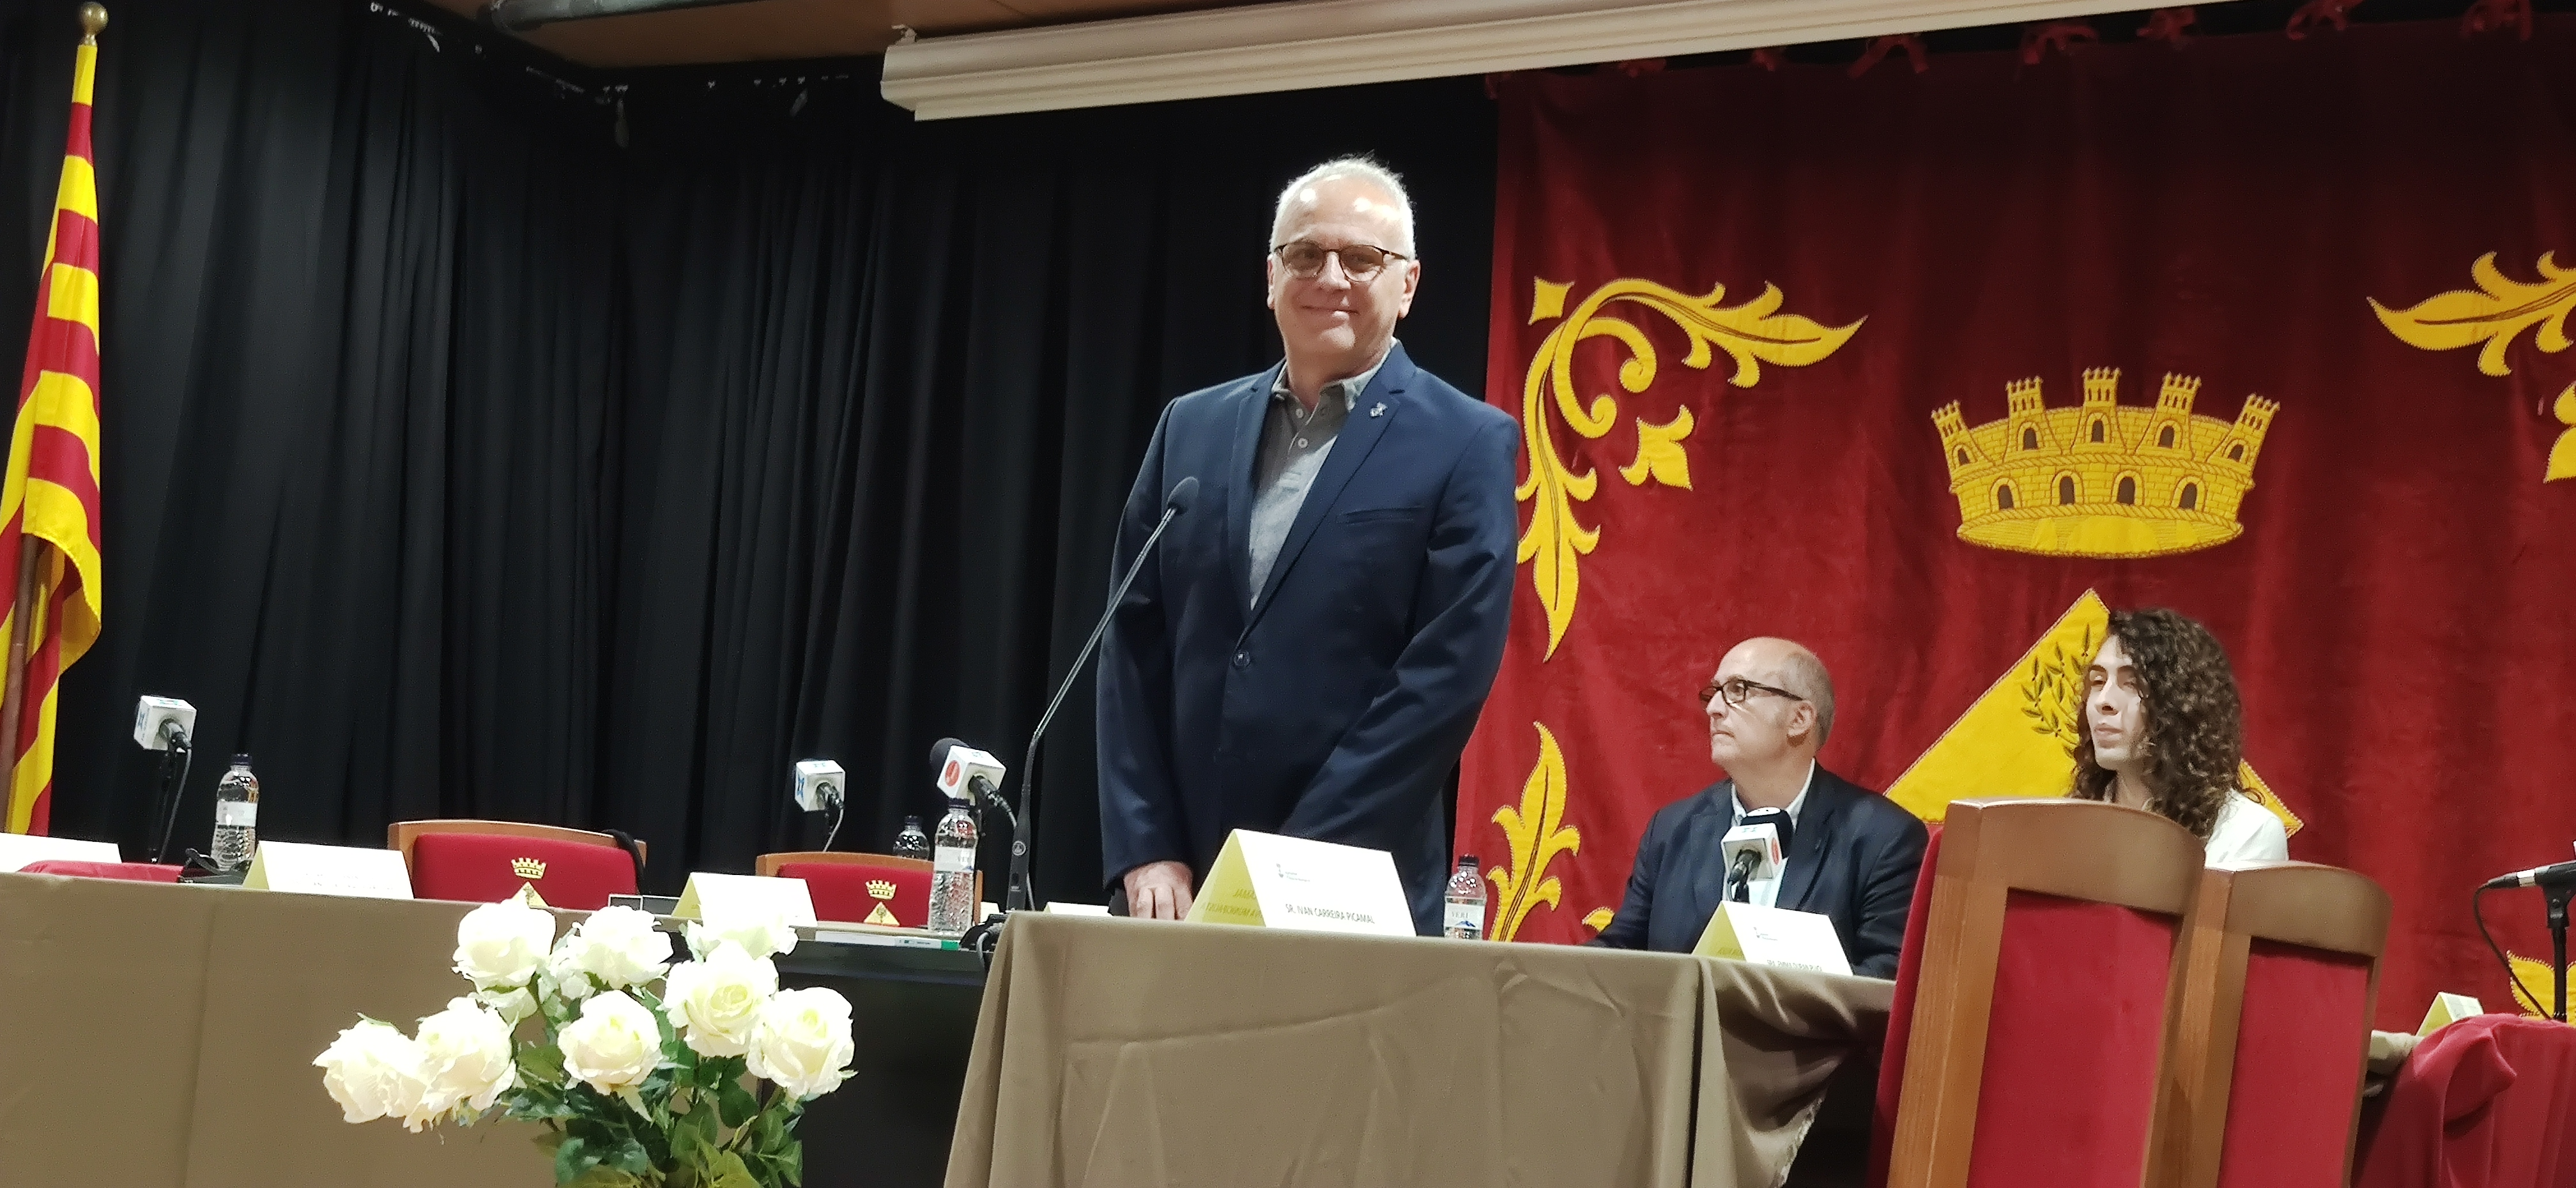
x: 2272, y: 1031
x: 488, y: 861
x: 860, y: 888
x: 1900, y: 1016
x: 2034, y: 991
x: 139, y: 872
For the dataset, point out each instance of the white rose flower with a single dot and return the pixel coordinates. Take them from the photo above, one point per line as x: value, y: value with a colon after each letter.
x: 614, y: 1045
x: 716, y: 1001
x: 802, y: 1042
x: 465, y: 1057
x: 760, y: 933
x: 372, y: 1070
x: 512, y: 1005
x: 562, y: 976
x: 620, y: 948
x: 502, y: 944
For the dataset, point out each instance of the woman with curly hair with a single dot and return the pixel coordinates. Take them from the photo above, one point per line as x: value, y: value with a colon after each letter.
x: 2164, y: 733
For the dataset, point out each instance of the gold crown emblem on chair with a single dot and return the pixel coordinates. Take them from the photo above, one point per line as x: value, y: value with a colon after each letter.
x: 528, y: 868
x: 2102, y: 479
x: 881, y: 888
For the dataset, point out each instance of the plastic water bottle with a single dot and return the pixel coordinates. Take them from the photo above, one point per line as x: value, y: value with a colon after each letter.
x: 912, y: 842
x: 236, y: 816
x: 1464, y: 916
x: 952, y: 872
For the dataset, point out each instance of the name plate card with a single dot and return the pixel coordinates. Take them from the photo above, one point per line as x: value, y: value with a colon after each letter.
x: 2448, y: 1009
x: 19, y: 849
x: 1270, y: 881
x: 1775, y: 937
x: 329, y: 870
x: 739, y: 896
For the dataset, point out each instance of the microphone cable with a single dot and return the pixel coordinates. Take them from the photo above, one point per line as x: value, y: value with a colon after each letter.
x: 2477, y: 912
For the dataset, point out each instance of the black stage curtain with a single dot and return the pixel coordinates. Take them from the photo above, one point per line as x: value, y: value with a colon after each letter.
x: 488, y: 440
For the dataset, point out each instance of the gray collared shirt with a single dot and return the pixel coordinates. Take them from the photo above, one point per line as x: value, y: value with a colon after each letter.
x: 1295, y: 441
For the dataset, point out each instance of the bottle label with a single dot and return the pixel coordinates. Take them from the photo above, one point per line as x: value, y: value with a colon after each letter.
x: 1465, y: 921
x: 955, y: 858
x: 243, y: 813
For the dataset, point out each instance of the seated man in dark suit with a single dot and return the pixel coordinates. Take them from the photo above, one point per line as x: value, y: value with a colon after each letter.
x: 1853, y: 855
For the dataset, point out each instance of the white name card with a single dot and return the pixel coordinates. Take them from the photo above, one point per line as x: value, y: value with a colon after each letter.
x: 329, y: 870
x: 1289, y: 882
x: 19, y: 849
x: 2448, y: 1009
x: 734, y: 896
x: 1775, y: 937
x: 1062, y: 908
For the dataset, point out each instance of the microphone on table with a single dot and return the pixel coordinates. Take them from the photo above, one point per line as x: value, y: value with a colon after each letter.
x: 1020, y: 896
x: 1756, y: 848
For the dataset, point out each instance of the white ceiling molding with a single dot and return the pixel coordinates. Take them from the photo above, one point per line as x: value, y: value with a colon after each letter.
x: 1332, y: 43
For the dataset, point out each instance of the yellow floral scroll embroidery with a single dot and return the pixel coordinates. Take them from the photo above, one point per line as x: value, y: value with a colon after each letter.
x: 2562, y: 456
x: 1536, y: 839
x: 1752, y: 333
x: 2495, y: 313
x: 1599, y: 920
x: 2532, y: 974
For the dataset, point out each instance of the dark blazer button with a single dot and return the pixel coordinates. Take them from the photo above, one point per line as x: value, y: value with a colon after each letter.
x: 1243, y: 659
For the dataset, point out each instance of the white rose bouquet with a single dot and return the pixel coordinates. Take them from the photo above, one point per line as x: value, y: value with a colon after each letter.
x: 635, y: 1090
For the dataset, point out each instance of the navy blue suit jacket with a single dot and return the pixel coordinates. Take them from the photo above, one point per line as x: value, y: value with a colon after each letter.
x: 1853, y: 858
x: 1335, y: 705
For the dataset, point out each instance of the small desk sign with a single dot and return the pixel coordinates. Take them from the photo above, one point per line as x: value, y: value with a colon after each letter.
x: 745, y: 895
x: 2448, y: 1009
x: 329, y: 870
x: 19, y: 849
x: 1290, y: 882
x: 1774, y: 936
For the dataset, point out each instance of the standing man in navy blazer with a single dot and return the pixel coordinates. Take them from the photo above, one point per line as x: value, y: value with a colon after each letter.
x: 1853, y: 855
x: 1308, y: 648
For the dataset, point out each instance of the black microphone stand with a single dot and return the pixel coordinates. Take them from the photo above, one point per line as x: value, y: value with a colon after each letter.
x: 1021, y: 896
x: 174, y: 785
x: 2557, y: 895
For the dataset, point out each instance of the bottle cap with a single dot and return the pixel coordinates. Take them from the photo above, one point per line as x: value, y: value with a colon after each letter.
x: 241, y: 760
x: 1466, y: 862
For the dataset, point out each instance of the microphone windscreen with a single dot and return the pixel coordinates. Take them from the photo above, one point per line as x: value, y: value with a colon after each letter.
x: 1183, y: 493
x: 939, y: 752
x: 1777, y: 819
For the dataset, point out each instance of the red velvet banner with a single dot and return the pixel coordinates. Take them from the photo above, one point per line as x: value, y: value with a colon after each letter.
x: 1926, y: 369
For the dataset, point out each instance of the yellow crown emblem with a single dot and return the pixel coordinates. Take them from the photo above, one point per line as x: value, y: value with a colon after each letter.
x: 881, y: 888
x: 528, y: 868
x: 2102, y: 479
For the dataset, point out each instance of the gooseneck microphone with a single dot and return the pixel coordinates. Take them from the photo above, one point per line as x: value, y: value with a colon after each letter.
x: 1183, y: 493
x: 1757, y: 848
x: 2556, y: 874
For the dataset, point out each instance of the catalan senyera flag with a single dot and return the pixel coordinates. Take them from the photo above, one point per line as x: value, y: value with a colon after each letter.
x: 50, y: 502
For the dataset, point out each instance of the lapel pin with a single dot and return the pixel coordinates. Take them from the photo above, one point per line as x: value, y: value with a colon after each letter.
x: 1378, y: 411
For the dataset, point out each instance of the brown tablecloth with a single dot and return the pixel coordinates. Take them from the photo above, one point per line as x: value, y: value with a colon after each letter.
x: 1126, y: 1053
x: 158, y: 1035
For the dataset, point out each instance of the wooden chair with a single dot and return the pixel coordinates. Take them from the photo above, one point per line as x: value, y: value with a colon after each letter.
x: 488, y: 861
x: 859, y: 888
x: 2272, y: 1030
x: 2032, y: 997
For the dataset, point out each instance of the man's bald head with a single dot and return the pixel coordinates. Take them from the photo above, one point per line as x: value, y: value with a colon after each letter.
x: 1786, y: 664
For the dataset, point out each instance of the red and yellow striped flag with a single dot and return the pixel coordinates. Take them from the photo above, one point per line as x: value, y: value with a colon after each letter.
x: 50, y: 496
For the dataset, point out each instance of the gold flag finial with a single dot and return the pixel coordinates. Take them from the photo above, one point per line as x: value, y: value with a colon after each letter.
x: 93, y: 19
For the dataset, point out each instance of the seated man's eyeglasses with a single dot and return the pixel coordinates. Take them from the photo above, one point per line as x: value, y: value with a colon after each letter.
x: 1737, y: 689
x: 1360, y: 261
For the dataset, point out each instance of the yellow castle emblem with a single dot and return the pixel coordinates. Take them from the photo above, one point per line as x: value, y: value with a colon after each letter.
x: 2102, y: 479
x: 528, y: 868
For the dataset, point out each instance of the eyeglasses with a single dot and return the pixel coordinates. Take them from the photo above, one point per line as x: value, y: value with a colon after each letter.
x: 1736, y: 689
x: 1361, y: 262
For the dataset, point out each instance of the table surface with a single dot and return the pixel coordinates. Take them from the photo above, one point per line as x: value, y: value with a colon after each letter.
x: 171, y: 1029
x: 1121, y: 1052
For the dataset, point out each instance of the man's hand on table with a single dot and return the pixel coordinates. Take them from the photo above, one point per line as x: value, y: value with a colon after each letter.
x: 1159, y: 891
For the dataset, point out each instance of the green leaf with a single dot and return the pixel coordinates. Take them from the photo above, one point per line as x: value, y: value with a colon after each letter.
x: 730, y: 1172
x: 542, y: 1064
x: 791, y: 1163
x: 573, y: 1157
x: 628, y: 1156
x: 735, y: 1102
